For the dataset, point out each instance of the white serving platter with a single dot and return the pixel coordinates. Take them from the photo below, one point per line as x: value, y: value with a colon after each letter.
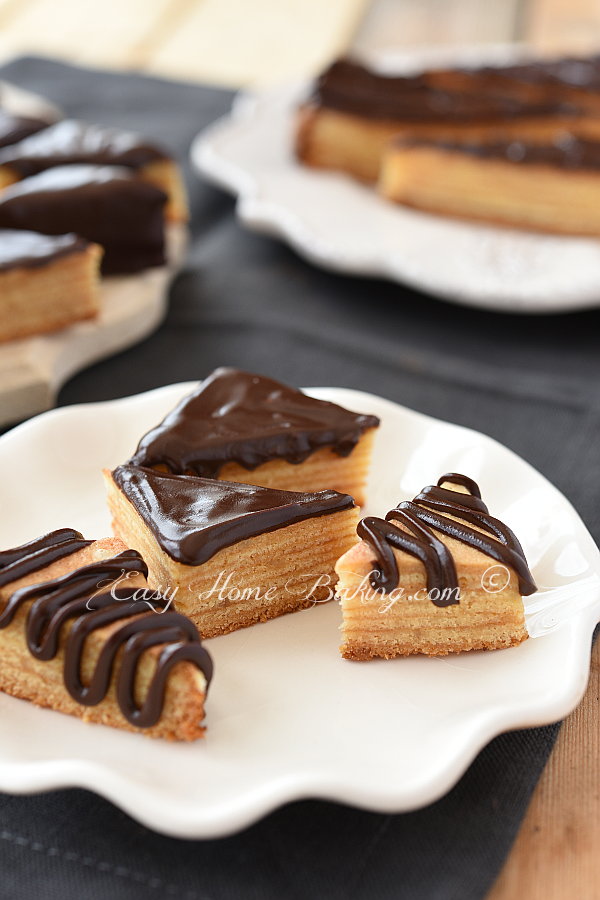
x: 288, y: 718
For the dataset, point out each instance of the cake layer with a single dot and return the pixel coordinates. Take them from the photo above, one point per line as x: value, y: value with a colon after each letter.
x: 552, y: 187
x: 341, y: 141
x: 75, y: 637
x: 71, y: 142
x: 104, y: 204
x: 237, y: 422
x: 438, y: 575
x: 46, y: 282
x: 235, y: 554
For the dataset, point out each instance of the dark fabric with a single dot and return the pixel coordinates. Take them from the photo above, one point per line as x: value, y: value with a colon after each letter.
x: 249, y: 301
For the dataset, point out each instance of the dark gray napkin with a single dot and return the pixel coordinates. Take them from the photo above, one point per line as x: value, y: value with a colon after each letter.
x: 249, y: 301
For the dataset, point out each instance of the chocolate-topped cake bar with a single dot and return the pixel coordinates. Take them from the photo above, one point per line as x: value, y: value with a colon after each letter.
x: 438, y: 575
x: 242, y: 427
x: 46, y: 282
x: 77, y: 636
x: 71, y: 142
x: 103, y: 204
x: 551, y: 187
x: 231, y: 555
x: 355, y: 111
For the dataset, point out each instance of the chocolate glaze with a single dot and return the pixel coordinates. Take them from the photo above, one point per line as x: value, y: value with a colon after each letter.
x: 104, y: 204
x: 79, y: 598
x: 235, y: 416
x: 352, y: 88
x: 17, y: 128
x: 436, y: 509
x: 565, y: 152
x: 71, y: 142
x: 29, y: 250
x: 192, y: 518
x: 28, y: 558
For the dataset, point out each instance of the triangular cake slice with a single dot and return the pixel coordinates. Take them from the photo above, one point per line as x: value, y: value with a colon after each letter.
x: 103, y: 204
x: 71, y: 142
x: 437, y: 575
x: 237, y: 426
x: 231, y: 554
x: 81, y: 633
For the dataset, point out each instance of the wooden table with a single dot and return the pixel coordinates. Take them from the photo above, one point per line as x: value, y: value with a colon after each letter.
x: 556, y: 855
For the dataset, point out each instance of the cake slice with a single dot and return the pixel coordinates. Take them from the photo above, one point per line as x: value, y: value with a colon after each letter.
x: 104, y: 204
x: 71, y: 142
x: 46, y: 282
x: 231, y: 555
x: 81, y: 633
x: 547, y: 187
x: 438, y: 575
x: 355, y: 111
x: 237, y: 426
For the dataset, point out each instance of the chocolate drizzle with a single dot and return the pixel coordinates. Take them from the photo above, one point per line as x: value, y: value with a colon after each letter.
x: 71, y: 142
x: 235, y: 416
x: 103, y: 204
x: 192, y: 518
x: 437, y: 509
x: 79, y: 598
x: 28, y: 249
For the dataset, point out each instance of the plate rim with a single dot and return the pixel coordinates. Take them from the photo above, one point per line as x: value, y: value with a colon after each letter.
x: 179, y: 820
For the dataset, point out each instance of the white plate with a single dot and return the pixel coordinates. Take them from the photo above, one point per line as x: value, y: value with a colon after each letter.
x: 288, y: 717
x: 342, y: 225
x: 33, y: 370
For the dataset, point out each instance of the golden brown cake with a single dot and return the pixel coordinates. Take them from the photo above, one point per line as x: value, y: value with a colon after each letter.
x: 71, y: 142
x: 438, y: 575
x: 46, y: 282
x: 354, y: 112
x: 81, y: 634
x: 553, y: 187
x: 247, y: 428
x: 231, y: 555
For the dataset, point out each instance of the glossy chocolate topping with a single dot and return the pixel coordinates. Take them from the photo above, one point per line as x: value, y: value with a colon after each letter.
x: 192, y: 518
x: 565, y: 152
x: 103, y: 204
x: 414, y: 527
x: 70, y: 142
x: 28, y: 249
x: 80, y: 599
x: 28, y: 558
x: 17, y: 128
x: 235, y: 416
x: 352, y: 88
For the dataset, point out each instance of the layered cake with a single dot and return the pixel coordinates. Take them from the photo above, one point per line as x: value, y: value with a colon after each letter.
x: 81, y: 634
x: 231, y: 554
x: 354, y: 111
x: 241, y: 427
x: 71, y: 142
x: 438, y: 575
x: 46, y: 282
x: 106, y: 205
x: 551, y: 187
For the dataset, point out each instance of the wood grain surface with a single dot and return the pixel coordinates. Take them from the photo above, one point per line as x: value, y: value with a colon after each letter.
x: 233, y: 42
